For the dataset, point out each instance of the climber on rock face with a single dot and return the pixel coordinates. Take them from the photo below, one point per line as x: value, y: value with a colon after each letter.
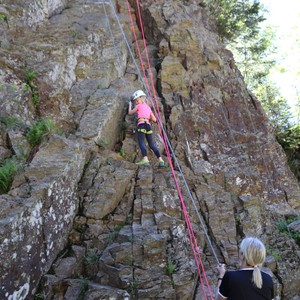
x: 144, y: 129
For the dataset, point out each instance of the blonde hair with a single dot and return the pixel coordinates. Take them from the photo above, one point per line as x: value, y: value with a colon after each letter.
x: 254, y: 252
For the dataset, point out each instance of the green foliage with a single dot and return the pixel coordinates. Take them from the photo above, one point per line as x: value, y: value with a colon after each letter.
x: 132, y: 287
x: 10, y: 122
x: 287, y: 133
x: 30, y: 76
x: 170, y: 268
x: 252, y: 57
x: 103, y: 143
x: 236, y: 18
x: 282, y: 226
x: 91, y: 258
x: 122, y: 152
x: 83, y: 288
x: 39, y: 296
x: 237, y: 218
x: 274, y: 252
x: 35, y: 99
x: 74, y: 34
x: 198, y: 130
x: 114, y: 234
x: 3, y: 17
x: 40, y: 129
x: 8, y: 169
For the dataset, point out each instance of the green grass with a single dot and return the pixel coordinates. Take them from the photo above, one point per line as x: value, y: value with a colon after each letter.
x: 35, y: 99
x: 39, y: 296
x: 282, y: 226
x: 103, y: 143
x: 10, y: 122
x: 39, y: 130
x: 122, y: 152
x: 132, y: 287
x: 30, y: 76
x: 3, y: 17
x: 8, y: 169
x: 91, y: 258
x: 83, y: 288
x: 274, y: 252
x: 114, y: 234
x: 170, y: 268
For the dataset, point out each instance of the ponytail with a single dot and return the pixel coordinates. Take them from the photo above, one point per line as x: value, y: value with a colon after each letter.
x: 256, y: 277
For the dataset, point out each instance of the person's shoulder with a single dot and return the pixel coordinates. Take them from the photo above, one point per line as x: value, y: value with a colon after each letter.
x: 230, y: 273
x: 266, y: 275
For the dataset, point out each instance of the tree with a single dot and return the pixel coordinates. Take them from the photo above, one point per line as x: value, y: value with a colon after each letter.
x: 236, y: 18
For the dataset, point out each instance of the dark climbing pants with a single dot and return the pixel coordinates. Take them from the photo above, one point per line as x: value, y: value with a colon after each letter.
x: 150, y: 141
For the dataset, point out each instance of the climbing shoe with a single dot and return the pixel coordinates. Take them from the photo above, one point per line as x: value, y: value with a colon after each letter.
x: 143, y: 162
x: 161, y: 164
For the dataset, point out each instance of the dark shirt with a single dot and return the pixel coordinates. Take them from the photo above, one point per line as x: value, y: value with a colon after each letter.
x: 238, y: 285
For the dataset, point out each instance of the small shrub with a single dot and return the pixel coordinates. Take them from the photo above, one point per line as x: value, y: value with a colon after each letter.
x: 3, y: 17
x: 91, y: 258
x: 8, y: 169
x: 10, y: 122
x: 40, y: 129
x: 274, y: 253
x: 282, y: 226
x: 103, y: 143
x: 74, y: 34
x: 114, y: 234
x: 198, y: 130
x: 83, y: 288
x: 30, y: 76
x: 122, y: 152
x: 35, y: 99
x: 170, y: 268
x: 39, y: 296
x: 237, y: 218
x: 132, y: 287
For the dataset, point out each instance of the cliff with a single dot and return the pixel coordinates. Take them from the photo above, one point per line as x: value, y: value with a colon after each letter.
x: 81, y: 220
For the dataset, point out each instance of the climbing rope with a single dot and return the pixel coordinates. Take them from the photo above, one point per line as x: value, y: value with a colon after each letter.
x: 193, y: 240
x: 167, y: 144
x: 164, y: 135
x: 195, y: 248
x: 114, y: 44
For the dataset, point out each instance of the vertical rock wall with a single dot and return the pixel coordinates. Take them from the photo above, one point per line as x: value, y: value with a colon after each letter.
x: 82, y: 220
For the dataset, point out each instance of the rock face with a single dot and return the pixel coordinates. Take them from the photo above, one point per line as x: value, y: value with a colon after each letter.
x: 81, y: 220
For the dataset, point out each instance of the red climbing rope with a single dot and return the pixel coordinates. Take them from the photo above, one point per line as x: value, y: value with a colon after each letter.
x: 196, y: 252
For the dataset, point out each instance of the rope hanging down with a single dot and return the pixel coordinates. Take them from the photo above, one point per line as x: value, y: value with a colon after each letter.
x: 195, y: 249
x: 165, y: 135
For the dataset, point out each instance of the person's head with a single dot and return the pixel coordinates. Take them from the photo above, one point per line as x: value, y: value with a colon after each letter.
x: 253, y: 252
x: 139, y: 96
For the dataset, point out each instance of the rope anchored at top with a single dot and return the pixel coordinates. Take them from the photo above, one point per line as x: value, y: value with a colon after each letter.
x: 168, y: 147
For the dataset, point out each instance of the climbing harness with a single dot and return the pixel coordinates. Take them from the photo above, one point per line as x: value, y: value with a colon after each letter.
x: 145, y: 131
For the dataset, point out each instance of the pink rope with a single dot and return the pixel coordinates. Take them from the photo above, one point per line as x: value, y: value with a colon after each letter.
x: 137, y: 46
x: 162, y: 134
x: 193, y: 241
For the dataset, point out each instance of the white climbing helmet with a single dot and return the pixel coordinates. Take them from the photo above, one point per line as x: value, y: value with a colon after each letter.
x: 137, y: 94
